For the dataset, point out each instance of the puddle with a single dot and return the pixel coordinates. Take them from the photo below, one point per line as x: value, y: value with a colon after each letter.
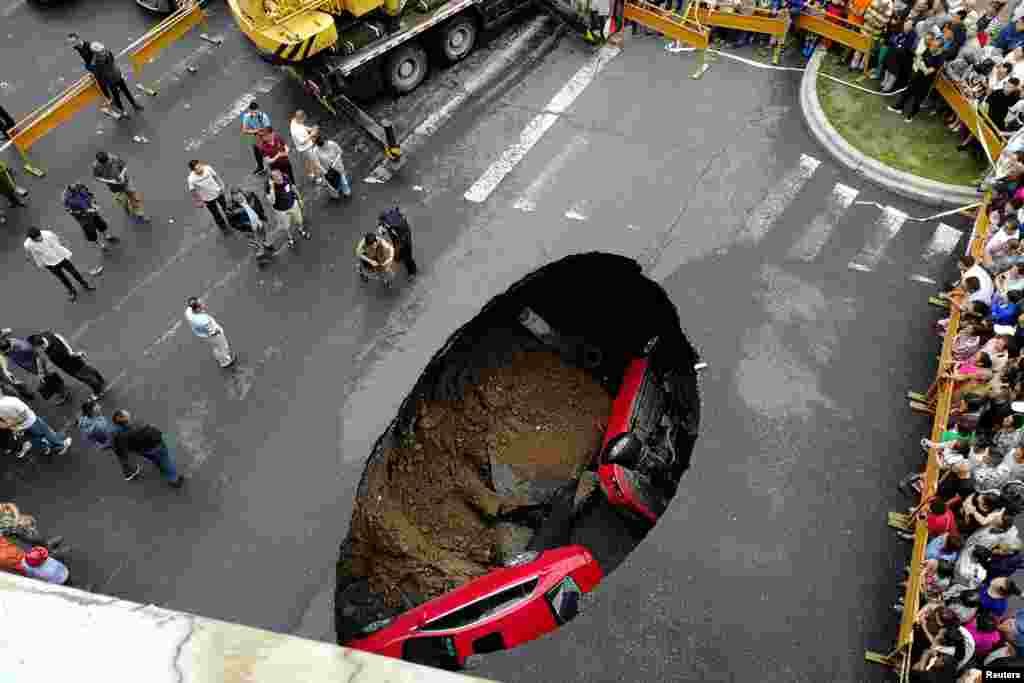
x: 557, y: 422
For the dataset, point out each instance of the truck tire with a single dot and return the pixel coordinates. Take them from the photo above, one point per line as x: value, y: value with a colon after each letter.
x: 406, y: 68
x: 456, y: 39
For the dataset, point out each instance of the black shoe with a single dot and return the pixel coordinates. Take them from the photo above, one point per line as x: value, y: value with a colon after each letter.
x: 65, y: 397
x: 113, y: 239
x: 177, y: 484
x: 89, y: 288
x: 129, y: 475
x: 54, y: 541
x: 138, y: 107
x: 260, y: 171
x: 72, y: 296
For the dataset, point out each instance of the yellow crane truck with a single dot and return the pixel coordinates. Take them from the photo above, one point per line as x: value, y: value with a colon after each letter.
x: 355, y: 46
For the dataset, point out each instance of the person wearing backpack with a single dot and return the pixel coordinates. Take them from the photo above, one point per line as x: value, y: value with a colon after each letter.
x: 80, y: 202
x: 395, y: 223
x: 147, y: 441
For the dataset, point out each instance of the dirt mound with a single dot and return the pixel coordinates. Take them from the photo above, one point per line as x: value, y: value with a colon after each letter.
x: 427, y: 520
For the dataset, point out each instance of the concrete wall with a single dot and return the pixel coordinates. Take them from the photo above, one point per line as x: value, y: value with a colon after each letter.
x: 53, y: 633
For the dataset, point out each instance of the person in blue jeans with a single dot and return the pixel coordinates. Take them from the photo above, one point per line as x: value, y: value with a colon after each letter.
x: 147, y: 441
x: 99, y: 431
x: 16, y: 416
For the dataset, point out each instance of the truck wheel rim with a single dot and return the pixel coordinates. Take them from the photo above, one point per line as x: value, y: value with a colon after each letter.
x: 407, y: 69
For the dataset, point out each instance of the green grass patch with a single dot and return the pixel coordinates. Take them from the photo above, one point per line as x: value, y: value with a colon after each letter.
x: 924, y: 147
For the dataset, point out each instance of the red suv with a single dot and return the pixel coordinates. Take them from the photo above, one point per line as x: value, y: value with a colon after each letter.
x: 531, y: 596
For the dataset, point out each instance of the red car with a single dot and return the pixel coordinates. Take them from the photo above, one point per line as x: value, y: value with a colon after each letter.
x: 505, y: 608
x: 638, y: 461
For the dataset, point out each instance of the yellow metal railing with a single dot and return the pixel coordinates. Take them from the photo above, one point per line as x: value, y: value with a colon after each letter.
x: 62, y: 108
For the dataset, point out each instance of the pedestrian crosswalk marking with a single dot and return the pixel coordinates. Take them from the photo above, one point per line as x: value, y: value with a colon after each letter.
x: 528, y: 200
x: 778, y: 199
x: 885, y: 228
x: 817, y: 234
x: 943, y: 242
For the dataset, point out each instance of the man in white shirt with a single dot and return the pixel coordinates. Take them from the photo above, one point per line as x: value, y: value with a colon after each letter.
x: 208, y: 190
x: 45, y: 251
x: 18, y: 417
x: 303, y: 136
x: 986, y: 288
x: 205, y: 327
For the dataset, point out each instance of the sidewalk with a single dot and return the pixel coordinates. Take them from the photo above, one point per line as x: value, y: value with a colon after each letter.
x: 924, y: 147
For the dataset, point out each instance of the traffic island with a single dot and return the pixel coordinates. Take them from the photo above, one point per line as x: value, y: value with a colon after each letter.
x: 918, y: 160
x: 502, y: 453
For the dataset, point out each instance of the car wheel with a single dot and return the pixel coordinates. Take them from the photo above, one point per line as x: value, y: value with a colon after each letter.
x: 457, y: 39
x: 406, y: 68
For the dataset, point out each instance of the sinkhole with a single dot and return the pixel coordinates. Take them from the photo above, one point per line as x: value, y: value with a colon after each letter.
x: 535, y: 451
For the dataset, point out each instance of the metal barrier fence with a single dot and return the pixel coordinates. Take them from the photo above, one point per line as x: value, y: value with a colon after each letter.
x: 62, y: 108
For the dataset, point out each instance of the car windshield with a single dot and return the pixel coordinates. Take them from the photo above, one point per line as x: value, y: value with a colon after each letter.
x: 481, y: 609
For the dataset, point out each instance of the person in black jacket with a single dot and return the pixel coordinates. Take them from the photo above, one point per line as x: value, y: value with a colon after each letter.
x: 54, y: 348
x: 926, y: 67
x: 147, y: 441
x: 108, y: 73
x: 84, y: 50
x: 6, y: 123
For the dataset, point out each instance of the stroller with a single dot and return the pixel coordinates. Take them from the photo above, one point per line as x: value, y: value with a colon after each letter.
x: 392, y: 229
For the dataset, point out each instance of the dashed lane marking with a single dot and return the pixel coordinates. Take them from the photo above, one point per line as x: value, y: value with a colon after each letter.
x: 231, y: 114
x: 528, y: 201
x: 821, y: 227
x: 943, y: 242
x: 535, y: 130
x: 778, y: 199
x: 886, y: 227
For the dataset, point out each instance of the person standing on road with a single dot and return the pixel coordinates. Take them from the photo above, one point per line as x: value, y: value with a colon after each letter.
x: 328, y: 154
x: 110, y: 170
x: 205, y: 327
x: 9, y: 188
x: 284, y: 200
x: 18, y: 417
x: 84, y: 50
x: 395, y: 224
x: 147, y: 441
x: 100, y: 432
x: 7, y: 123
x: 254, y: 122
x: 54, y: 348
x: 275, y: 152
x: 108, y: 73
x: 45, y: 250
x: 80, y: 203
x: 303, y: 137
x: 208, y: 190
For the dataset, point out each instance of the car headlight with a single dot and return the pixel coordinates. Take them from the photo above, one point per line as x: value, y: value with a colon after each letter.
x: 521, y: 558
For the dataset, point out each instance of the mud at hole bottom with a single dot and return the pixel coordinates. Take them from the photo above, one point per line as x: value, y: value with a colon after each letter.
x: 427, y: 521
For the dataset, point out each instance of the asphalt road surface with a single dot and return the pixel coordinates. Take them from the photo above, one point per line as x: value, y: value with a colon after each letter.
x: 773, y: 563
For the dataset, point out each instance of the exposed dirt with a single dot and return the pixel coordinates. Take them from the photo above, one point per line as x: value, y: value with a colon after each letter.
x: 428, y: 520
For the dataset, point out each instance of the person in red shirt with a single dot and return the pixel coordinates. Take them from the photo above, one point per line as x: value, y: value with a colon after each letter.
x: 941, y: 519
x: 275, y: 152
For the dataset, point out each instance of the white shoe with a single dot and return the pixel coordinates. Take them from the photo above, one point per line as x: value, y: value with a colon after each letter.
x: 98, y: 270
x: 64, y: 449
x: 25, y: 448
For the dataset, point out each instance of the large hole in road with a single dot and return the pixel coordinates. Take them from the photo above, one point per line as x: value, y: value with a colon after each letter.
x: 535, y: 451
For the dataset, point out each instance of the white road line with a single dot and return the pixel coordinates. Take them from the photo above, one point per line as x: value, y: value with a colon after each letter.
x: 578, y: 212
x: 231, y: 114
x: 778, y: 199
x: 821, y: 227
x: 535, y: 130
x: 491, y: 69
x: 528, y: 200
x: 923, y: 279
x: 943, y: 242
x: 886, y: 227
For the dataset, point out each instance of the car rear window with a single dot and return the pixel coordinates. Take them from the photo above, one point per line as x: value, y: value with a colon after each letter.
x: 481, y: 609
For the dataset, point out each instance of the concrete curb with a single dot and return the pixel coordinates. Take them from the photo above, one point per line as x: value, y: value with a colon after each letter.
x: 905, y: 184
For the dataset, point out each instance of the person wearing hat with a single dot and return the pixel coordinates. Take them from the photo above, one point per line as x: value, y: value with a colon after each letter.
x: 107, y: 72
x: 206, y: 327
x: 38, y: 563
x: 100, y: 432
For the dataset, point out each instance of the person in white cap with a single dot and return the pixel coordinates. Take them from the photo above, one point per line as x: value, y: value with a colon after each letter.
x: 205, y: 327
